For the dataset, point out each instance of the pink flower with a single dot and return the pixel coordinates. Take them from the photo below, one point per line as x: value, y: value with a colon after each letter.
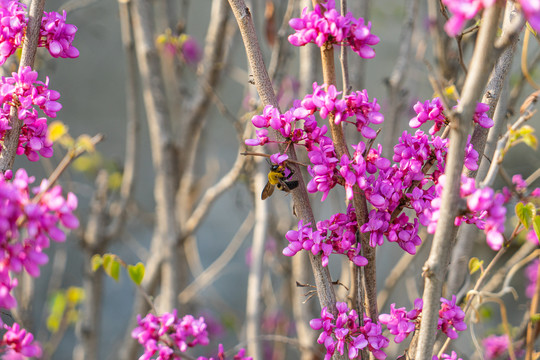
x: 191, y: 52
x: 165, y: 333
x: 531, y: 272
x: 463, y: 10
x: 29, y: 94
x: 451, y: 318
x: 495, y: 346
x: 19, y: 344
x: 41, y: 219
x: 429, y: 111
x: 57, y: 36
x: 324, y: 24
x: 531, y: 9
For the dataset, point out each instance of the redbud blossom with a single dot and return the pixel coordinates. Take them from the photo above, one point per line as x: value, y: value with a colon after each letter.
x: 28, y: 94
x: 324, y: 24
x: 17, y: 344
x: 495, y: 346
x: 23, y: 245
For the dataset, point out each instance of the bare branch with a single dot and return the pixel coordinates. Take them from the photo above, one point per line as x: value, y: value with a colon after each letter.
x: 266, y: 92
x: 211, y: 273
x: 436, y: 265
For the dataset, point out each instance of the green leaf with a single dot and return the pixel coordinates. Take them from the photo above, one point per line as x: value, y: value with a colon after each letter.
x: 485, y: 312
x: 96, y: 261
x: 75, y: 295
x: 475, y: 265
x: 531, y: 141
x: 57, y: 307
x: 111, y: 266
x: 136, y: 272
x: 525, y: 213
x: 535, y: 318
x: 536, y: 225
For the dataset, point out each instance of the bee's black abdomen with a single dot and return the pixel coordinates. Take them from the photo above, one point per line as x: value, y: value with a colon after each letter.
x: 292, y: 184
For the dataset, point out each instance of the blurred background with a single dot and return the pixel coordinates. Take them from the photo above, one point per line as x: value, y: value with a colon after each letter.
x: 93, y: 89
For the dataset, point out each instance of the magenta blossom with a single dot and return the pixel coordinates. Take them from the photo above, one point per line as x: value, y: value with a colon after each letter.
x: 24, y: 91
x: 494, y: 346
x: 18, y: 344
x: 451, y: 318
x: 23, y: 245
x: 463, y: 10
x: 452, y: 356
x: 325, y: 25
x: 344, y: 330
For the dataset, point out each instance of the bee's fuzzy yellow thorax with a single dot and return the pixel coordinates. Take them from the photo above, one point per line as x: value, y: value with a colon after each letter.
x: 274, y: 176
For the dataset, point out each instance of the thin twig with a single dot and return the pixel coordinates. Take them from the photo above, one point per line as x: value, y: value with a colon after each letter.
x: 211, y: 273
x: 266, y: 92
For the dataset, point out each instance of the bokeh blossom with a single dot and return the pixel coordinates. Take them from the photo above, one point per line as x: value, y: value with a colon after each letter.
x: 18, y: 344
x: 27, y: 226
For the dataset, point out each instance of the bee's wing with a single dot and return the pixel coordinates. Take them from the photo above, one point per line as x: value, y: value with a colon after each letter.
x: 267, y: 191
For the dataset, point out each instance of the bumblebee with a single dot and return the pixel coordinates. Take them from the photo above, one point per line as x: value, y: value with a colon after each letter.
x: 277, y: 178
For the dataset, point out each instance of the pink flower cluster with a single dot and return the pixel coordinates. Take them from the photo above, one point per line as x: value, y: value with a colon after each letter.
x: 345, y: 330
x: 41, y: 219
x: 531, y: 273
x: 166, y: 333
x: 13, y: 22
x: 433, y: 110
x: 401, y: 322
x: 484, y: 209
x: 324, y: 24
x: 27, y: 94
x: 452, y: 356
x: 429, y: 110
x: 18, y: 344
x: 385, y: 186
x: 497, y: 346
x: 405, y: 184
x: 190, y: 50
x: 464, y: 10
x: 55, y: 34
x: 451, y: 318
x: 298, y: 125
x: 289, y: 125
x: 221, y: 355
x: 336, y: 235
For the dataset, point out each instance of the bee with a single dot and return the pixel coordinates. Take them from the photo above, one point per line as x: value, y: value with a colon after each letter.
x: 277, y: 178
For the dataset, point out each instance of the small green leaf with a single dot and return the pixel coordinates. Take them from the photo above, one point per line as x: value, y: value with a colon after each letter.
x: 111, y: 266
x: 536, y: 226
x: 75, y: 295
x: 57, y: 307
x: 531, y: 141
x: 136, y: 272
x: 475, y: 265
x: 535, y: 318
x: 525, y: 213
x: 107, y: 259
x: 96, y: 261
x: 486, y: 313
